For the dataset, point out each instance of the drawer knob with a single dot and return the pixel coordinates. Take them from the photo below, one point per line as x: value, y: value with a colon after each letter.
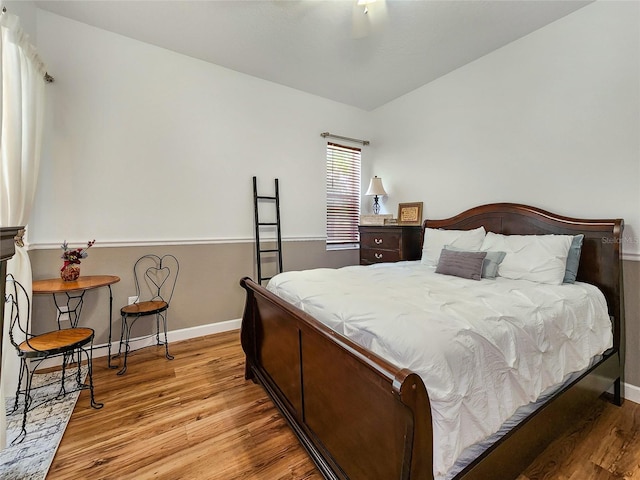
x: 377, y: 255
x: 377, y: 241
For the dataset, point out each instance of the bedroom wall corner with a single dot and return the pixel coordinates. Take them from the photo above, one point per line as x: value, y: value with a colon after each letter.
x: 550, y: 120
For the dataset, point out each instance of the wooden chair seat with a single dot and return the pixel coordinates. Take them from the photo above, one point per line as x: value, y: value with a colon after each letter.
x: 58, y: 341
x: 145, y: 308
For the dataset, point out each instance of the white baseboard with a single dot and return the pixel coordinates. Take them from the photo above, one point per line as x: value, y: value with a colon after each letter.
x: 173, y: 336
x: 631, y: 392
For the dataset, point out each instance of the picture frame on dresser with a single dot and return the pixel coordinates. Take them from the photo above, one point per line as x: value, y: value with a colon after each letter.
x: 410, y: 213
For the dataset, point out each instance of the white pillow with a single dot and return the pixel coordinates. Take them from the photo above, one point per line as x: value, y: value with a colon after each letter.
x: 435, y: 240
x: 538, y: 258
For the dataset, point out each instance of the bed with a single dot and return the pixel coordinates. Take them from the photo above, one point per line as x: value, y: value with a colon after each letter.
x: 361, y: 416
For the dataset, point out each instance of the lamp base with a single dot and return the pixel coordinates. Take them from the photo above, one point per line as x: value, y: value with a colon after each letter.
x: 376, y: 205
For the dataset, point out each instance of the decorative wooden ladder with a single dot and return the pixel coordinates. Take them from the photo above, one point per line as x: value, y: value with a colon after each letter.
x: 258, y: 225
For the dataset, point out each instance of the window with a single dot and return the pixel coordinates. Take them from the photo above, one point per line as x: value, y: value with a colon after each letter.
x: 343, y: 194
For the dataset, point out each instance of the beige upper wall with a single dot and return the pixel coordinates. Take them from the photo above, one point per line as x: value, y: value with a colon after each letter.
x: 550, y: 120
x: 147, y: 144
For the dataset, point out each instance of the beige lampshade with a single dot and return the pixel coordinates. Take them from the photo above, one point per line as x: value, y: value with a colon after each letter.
x: 375, y: 187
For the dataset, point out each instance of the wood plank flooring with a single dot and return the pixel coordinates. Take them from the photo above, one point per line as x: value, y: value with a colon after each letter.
x: 197, y: 418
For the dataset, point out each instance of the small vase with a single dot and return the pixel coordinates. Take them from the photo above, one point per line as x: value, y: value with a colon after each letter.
x: 70, y: 272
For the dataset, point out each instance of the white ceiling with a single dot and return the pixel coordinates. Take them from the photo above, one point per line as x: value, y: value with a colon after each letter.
x: 327, y: 48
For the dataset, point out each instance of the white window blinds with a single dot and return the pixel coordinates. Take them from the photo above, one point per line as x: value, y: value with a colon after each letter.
x: 343, y: 194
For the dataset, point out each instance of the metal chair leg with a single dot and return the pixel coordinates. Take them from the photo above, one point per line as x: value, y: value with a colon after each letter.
x: 63, y: 390
x: 89, y: 354
x: 27, y: 402
x: 122, y: 328
x: 166, y: 341
x: 79, y: 370
x: 127, y: 337
x: 23, y: 367
x: 158, y: 329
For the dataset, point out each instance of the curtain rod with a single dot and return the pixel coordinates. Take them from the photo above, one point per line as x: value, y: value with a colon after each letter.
x: 327, y: 134
x: 47, y: 78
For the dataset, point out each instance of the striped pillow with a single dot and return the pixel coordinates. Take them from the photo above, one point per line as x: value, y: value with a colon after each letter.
x: 461, y: 264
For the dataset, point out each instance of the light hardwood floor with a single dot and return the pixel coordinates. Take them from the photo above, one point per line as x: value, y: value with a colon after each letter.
x: 197, y: 418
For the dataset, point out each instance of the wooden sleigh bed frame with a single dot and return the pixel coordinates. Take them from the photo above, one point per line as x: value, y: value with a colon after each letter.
x: 321, y: 380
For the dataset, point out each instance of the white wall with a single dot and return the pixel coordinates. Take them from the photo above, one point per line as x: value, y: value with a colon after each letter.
x: 136, y: 133
x: 550, y: 120
x: 146, y: 144
x: 26, y: 10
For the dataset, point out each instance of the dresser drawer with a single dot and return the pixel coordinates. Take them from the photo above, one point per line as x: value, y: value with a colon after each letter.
x: 389, y: 244
x: 374, y: 255
x: 381, y: 240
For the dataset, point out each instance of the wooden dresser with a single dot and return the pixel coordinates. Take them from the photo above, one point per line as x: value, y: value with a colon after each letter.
x: 389, y: 243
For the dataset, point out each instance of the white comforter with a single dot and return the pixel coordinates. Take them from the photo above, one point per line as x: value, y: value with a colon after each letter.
x: 483, y: 348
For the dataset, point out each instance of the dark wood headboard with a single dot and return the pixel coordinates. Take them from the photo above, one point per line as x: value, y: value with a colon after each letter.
x: 600, y: 259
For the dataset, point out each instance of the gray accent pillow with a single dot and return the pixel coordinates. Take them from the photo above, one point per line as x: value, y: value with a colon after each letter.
x: 461, y: 264
x: 573, y: 259
x: 491, y: 261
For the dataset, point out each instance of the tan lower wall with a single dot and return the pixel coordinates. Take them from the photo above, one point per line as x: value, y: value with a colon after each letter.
x: 208, y: 288
x: 632, y: 317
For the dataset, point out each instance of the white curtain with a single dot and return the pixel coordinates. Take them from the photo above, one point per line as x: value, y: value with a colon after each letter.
x: 22, y: 106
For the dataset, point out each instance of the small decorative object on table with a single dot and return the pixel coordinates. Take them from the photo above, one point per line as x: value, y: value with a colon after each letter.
x: 410, y: 213
x: 70, y: 270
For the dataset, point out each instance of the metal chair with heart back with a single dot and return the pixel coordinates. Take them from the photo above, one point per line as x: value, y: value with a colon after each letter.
x: 155, y: 279
x: 33, y: 349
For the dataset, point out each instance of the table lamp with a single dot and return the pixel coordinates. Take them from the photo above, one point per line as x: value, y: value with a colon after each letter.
x: 376, y: 189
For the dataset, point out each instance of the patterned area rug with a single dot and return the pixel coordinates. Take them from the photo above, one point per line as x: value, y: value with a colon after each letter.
x: 46, y: 423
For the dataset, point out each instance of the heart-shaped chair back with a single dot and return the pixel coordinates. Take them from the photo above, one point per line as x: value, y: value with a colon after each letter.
x: 156, y: 277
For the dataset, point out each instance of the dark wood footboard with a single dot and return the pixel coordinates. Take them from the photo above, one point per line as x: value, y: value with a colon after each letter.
x: 358, y: 416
